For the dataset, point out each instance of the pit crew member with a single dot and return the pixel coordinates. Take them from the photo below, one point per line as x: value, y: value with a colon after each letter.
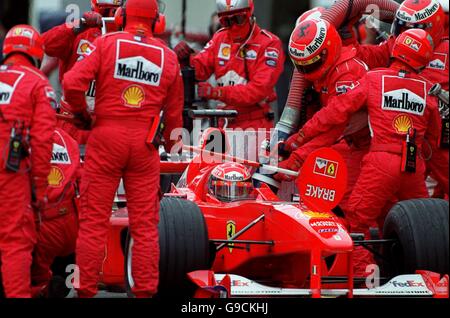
x: 27, y: 121
x: 333, y: 70
x: 57, y: 222
x: 246, y: 61
x: 137, y: 76
x: 69, y: 42
x: 401, y: 115
x: 430, y: 16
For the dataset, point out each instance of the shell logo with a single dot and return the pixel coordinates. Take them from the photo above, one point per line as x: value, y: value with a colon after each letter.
x: 226, y: 51
x: 402, y: 124
x: 318, y: 215
x: 55, y: 177
x: 84, y: 48
x: 133, y: 96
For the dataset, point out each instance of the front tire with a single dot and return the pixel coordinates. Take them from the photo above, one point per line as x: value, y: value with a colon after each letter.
x: 420, y: 228
x: 184, y: 246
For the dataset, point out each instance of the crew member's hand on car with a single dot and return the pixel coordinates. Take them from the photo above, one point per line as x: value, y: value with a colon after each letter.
x: 293, y: 163
x: 294, y: 142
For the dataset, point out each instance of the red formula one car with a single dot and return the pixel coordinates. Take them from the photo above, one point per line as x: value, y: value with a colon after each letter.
x: 259, y: 245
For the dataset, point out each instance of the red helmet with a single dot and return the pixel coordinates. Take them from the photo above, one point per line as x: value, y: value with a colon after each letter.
x: 314, y: 47
x: 414, y: 47
x: 24, y: 39
x: 147, y: 9
x: 420, y: 14
x: 314, y: 13
x: 231, y: 182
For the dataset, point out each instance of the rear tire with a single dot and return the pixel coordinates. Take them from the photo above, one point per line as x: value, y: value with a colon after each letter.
x: 184, y: 247
x: 420, y: 228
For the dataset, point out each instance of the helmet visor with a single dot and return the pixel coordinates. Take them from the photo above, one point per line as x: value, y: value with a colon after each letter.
x: 235, y: 19
x: 311, y: 65
x: 232, y: 191
x: 400, y: 26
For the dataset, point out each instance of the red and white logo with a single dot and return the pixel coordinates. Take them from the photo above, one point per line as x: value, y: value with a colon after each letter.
x: 85, y: 48
x: 438, y: 61
x: 272, y: 53
x: 326, y: 167
x: 405, y: 95
x: 8, y: 84
x: 411, y: 43
x: 139, y: 63
x: 343, y: 87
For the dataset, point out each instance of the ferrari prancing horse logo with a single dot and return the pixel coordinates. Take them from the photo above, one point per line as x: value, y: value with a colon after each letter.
x: 231, y: 231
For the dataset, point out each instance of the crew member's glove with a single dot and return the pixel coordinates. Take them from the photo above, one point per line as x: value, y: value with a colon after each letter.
x: 207, y: 91
x: 183, y: 52
x: 294, y: 142
x: 90, y: 19
x: 348, y: 33
x: 293, y: 163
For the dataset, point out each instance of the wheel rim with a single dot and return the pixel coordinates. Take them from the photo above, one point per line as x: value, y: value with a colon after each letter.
x: 129, y: 263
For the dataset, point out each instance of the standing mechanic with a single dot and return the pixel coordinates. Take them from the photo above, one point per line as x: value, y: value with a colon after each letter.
x: 430, y: 16
x: 247, y: 62
x: 27, y: 121
x: 70, y: 42
x: 316, y: 50
x: 57, y: 222
x: 401, y: 115
x: 137, y: 76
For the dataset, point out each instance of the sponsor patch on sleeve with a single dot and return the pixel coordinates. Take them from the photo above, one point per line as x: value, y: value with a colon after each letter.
x: 438, y: 61
x: 85, y: 48
x: 343, y: 87
x: 51, y: 95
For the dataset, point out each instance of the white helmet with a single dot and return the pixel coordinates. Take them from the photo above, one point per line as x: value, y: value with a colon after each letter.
x: 230, y: 6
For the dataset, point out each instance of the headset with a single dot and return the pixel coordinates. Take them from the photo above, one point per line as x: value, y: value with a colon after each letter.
x: 158, y: 26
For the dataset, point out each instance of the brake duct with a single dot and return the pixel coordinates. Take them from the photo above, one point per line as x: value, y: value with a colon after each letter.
x: 337, y: 14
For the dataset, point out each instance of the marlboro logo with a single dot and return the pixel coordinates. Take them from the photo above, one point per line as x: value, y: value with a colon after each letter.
x: 138, y: 62
x: 396, y: 97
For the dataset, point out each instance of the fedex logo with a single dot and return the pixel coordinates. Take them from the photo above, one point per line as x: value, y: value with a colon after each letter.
x: 408, y: 283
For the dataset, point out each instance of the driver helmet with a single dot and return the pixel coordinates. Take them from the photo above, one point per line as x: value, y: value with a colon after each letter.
x: 314, y: 13
x: 231, y: 182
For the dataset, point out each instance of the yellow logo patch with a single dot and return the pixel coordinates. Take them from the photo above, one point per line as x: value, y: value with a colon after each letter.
x: 231, y: 231
x: 133, y: 96
x: 55, y: 177
x: 402, y: 124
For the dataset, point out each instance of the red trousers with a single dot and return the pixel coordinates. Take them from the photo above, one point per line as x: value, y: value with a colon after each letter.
x: 117, y: 149
x: 353, y: 157
x: 56, y: 238
x: 380, y: 182
x: 17, y: 233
